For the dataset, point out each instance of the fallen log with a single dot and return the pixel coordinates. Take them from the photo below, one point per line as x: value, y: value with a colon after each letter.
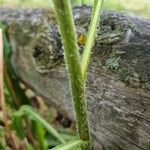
x: 118, y: 87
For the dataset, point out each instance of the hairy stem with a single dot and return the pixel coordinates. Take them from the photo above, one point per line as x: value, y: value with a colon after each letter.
x: 91, y: 37
x: 69, y: 40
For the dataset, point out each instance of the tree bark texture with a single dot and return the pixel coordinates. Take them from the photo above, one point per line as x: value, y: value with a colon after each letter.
x: 118, y: 85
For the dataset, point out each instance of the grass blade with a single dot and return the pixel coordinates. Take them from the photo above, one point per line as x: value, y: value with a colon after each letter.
x: 73, y: 145
x: 33, y: 115
x: 40, y: 135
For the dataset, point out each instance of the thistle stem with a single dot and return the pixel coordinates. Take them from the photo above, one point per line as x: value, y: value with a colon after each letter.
x: 96, y: 13
x: 69, y: 39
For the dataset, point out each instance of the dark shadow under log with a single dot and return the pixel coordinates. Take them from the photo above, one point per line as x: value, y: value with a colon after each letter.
x: 118, y: 87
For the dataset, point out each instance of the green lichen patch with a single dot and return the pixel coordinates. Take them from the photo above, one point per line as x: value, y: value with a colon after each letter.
x: 113, y: 63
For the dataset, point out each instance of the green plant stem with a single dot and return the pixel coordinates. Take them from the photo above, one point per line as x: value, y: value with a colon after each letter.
x: 69, y: 40
x: 83, y: 2
x: 91, y: 37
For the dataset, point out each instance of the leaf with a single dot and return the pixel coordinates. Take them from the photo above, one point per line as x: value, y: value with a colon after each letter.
x: 67, y: 136
x: 2, y: 139
x: 29, y: 147
x: 148, y: 146
x: 33, y: 115
x: 17, y: 125
x: 40, y: 135
x: 73, y: 145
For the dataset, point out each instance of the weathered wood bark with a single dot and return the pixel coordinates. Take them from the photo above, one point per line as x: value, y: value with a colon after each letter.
x: 118, y: 78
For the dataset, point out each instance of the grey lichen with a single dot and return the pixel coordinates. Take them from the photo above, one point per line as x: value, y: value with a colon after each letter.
x: 113, y: 63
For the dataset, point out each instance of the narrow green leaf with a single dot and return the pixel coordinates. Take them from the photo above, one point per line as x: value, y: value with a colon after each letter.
x: 29, y: 147
x: 40, y: 135
x: 72, y: 145
x: 17, y: 125
x: 148, y: 146
x: 33, y: 115
x: 3, y: 145
x: 67, y: 136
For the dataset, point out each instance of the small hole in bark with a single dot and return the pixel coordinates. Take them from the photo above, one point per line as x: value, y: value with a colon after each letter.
x: 65, y: 122
x: 37, y: 51
x: 41, y: 56
x: 113, y: 26
x: 59, y: 117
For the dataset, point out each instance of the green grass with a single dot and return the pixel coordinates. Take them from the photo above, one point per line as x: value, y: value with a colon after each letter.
x: 138, y: 7
x: 26, y: 3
